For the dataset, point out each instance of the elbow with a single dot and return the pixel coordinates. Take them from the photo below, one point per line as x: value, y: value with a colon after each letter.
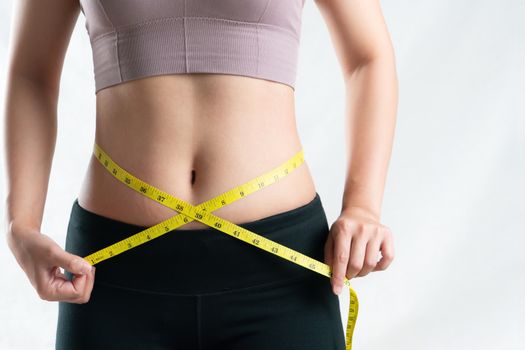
x: 45, y: 85
x: 384, y: 58
x: 383, y: 62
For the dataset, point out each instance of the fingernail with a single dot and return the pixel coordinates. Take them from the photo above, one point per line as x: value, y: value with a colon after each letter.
x: 337, y: 290
x: 93, y: 269
x: 86, y: 268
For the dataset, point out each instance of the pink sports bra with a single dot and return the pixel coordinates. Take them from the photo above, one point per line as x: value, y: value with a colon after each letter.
x: 132, y: 39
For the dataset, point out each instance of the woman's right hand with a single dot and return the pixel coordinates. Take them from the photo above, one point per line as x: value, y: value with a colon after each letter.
x: 41, y: 258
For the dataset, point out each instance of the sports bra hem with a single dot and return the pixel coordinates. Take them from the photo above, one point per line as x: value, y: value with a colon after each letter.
x: 172, y: 18
x: 205, y: 45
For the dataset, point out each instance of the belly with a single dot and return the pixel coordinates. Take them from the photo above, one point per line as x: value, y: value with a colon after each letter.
x: 195, y: 136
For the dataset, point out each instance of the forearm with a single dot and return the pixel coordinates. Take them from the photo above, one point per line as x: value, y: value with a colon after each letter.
x: 371, y: 109
x: 30, y: 127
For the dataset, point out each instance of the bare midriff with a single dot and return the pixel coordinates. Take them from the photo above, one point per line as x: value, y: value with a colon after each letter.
x: 195, y: 136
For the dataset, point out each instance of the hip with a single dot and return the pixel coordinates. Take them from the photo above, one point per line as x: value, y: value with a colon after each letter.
x: 197, y: 261
x: 188, y: 281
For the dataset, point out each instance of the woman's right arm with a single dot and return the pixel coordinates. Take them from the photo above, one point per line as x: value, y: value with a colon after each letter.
x: 41, y: 30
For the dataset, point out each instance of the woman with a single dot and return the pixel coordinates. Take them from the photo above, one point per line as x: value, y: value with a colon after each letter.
x: 196, y: 135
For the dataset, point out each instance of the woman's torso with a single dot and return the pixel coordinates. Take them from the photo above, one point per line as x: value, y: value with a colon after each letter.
x: 228, y: 129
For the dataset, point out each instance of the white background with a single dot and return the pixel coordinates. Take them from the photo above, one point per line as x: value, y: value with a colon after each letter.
x: 454, y: 194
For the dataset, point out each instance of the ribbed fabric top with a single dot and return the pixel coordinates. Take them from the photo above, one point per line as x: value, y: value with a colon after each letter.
x: 132, y: 39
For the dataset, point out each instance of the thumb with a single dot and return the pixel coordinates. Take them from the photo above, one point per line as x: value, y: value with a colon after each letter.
x: 73, y: 263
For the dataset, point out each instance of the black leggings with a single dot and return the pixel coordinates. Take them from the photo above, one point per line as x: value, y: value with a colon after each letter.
x: 199, y: 289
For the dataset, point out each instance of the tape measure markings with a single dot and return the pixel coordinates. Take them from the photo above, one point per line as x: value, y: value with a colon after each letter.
x: 202, y: 213
x: 159, y: 196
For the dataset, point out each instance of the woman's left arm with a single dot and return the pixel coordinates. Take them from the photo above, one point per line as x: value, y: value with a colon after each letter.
x: 364, y: 50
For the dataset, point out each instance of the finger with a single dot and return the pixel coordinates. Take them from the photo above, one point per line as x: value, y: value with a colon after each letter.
x: 357, y: 255
x: 371, y: 256
x: 387, y: 252
x: 87, y: 288
x: 71, y: 262
x: 59, y: 273
x: 65, y: 290
x: 75, y: 290
x: 47, y: 283
x: 340, y: 260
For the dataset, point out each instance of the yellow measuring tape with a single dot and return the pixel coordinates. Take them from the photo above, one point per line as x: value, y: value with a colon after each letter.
x: 202, y: 213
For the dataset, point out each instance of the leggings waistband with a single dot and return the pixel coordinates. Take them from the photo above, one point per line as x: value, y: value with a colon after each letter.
x: 203, y: 260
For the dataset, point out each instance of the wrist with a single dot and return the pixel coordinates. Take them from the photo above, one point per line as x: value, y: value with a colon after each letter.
x: 362, y: 211
x: 17, y: 229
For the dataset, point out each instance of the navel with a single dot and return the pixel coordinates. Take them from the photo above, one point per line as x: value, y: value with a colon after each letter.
x: 192, y: 177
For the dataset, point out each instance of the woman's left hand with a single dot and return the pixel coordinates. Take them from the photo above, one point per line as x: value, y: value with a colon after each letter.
x: 353, y: 245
